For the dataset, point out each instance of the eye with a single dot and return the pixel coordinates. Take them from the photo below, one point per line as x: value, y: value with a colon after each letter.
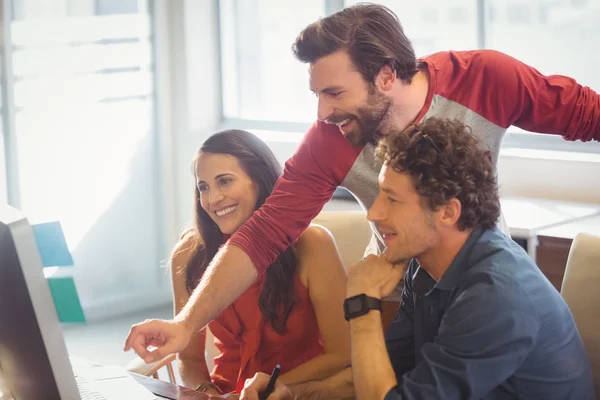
x: 224, y: 181
x: 392, y: 201
x: 203, y: 187
x: 334, y: 94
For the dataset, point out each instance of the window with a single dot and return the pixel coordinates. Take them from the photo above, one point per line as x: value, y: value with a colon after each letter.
x: 266, y: 87
x: 263, y: 81
x: 453, y: 27
x: 83, y: 141
x: 82, y: 91
x: 261, y: 78
x: 561, y: 40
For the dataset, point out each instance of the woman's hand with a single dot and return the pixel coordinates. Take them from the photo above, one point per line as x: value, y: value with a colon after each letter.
x: 259, y: 382
x: 211, y: 389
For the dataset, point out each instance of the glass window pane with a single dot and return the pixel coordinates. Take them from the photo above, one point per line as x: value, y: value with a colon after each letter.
x: 554, y: 36
x: 262, y: 79
x: 434, y: 25
x: 84, y: 98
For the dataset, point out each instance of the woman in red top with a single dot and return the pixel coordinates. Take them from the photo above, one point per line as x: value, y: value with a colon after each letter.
x: 292, y: 315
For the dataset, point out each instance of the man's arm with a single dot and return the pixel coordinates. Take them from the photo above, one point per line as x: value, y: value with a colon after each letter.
x: 550, y: 104
x: 374, y: 374
x: 335, y: 387
x: 370, y: 361
x: 508, y: 92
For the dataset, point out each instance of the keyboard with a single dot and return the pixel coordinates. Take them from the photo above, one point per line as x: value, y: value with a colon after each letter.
x: 101, y: 382
x: 86, y: 390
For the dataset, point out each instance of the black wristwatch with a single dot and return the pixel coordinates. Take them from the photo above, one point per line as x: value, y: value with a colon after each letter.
x: 358, y: 305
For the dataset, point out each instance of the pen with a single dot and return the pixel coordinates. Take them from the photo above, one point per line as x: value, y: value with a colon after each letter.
x: 265, y: 393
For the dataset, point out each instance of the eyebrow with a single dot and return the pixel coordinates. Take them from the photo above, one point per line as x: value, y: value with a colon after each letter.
x: 218, y: 176
x: 329, y: 89
x: 388, y: 191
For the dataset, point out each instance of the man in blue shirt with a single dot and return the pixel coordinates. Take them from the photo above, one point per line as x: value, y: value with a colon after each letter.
x: 478, y: 319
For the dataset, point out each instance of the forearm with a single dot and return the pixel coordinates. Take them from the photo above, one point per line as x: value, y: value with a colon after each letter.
x: 192, y: 372
x: 585, y: 119
x: 374, y: 376
x: 317, y: 368
x: 335, y: 387
x: 228, y: 276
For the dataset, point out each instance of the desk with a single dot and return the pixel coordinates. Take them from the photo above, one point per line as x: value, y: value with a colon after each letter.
x: 526, y: 217
x: 166, y: 390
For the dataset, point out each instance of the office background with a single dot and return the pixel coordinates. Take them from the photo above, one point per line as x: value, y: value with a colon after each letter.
x: 104, y: 103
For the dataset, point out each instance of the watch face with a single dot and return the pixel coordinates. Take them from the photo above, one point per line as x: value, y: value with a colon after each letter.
x: 360, y: 305
x: 355, y: 305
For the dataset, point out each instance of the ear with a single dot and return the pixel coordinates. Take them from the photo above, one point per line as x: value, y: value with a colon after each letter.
x: 384, y: 80
x: 450, y: 212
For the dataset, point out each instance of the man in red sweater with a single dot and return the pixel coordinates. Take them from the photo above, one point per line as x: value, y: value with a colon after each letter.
x: 369, y: 82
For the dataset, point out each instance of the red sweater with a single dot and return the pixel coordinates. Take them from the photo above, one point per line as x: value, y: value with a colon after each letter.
x: 486, y: 89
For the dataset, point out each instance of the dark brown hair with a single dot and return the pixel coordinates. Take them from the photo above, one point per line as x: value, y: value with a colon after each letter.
x: 370, y: 33
x: 276, y: 299
x: 445, y: 160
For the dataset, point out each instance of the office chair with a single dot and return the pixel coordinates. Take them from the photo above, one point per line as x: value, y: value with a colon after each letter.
x: 580, y: 291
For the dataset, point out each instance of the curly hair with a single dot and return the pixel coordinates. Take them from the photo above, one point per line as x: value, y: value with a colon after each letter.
x: 445, y: 161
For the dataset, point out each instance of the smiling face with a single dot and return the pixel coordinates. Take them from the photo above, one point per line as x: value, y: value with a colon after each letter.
x: 227, y: 193
x: 361, y: 111
x: 408, y: 229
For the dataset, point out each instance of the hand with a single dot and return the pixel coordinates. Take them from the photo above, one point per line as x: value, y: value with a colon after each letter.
x: 216, y: 393
x: 167, y: 336
x: 211, y: 389
x: 259, y: 382
x: 375, y: 276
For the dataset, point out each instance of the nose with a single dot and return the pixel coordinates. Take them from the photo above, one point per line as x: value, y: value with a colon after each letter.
x: 324, y: 109
x: 376, y: 212
x: 215, y: 196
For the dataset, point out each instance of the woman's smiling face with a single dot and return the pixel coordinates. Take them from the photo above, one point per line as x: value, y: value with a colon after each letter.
x: 227, y: 193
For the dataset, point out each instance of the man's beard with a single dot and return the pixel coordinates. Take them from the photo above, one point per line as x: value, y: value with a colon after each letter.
x: 374, y: 119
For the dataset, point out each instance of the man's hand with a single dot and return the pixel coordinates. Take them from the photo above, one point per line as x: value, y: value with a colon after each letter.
x: 375, y: 276
x: 259, y: 382
x: 167, y: 336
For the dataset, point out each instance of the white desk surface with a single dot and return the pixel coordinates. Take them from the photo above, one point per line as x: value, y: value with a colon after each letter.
x: 572, y: 229
x: 527, y: 216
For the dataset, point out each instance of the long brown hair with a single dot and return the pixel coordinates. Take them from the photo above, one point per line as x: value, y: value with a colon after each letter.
x: 276, y: 299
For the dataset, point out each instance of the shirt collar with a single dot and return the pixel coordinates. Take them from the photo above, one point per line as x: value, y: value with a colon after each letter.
x: 460, y: 264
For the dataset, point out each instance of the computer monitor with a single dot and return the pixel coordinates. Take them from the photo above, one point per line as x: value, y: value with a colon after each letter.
x: 34, y: 363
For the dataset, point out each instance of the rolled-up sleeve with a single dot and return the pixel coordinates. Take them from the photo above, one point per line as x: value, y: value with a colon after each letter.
x: 484, y: 336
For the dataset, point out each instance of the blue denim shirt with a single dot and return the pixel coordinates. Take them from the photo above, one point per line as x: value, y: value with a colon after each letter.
x: 493, y: 327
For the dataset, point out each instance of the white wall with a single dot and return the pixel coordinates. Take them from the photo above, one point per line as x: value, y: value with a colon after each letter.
x: 568, y: 179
